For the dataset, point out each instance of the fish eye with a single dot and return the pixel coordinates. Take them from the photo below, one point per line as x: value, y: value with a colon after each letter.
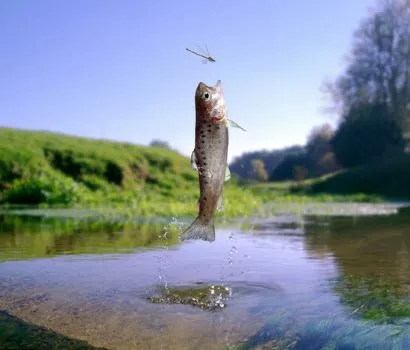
x: 206, y: 96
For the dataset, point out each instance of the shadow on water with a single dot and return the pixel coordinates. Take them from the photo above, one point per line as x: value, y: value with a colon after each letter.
x: 291, y: 282
x: 20, y: 335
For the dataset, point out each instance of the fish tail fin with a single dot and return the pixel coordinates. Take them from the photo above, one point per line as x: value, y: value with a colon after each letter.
x: 200, y: 230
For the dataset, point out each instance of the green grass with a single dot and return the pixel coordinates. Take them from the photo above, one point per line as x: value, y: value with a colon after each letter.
x: 292, y: 192
x: 56, y: 170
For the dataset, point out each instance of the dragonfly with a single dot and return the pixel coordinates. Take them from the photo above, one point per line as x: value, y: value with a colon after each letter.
x: 204, y: 54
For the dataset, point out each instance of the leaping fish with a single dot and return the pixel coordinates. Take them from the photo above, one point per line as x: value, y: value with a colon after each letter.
x: 209, y: 157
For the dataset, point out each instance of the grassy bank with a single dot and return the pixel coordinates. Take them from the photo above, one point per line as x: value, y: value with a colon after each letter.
x: 388, y: 178
x: 50, y: 169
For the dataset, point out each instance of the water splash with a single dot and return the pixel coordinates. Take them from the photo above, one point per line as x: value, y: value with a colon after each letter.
x: 233, y: 249
x: 163, y: 258
x: 232, y: 252
x: 218, y: 297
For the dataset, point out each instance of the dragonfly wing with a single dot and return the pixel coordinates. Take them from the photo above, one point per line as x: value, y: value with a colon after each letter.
x: 204, y: 54
x: 200, y: 50
x: 207, y: 51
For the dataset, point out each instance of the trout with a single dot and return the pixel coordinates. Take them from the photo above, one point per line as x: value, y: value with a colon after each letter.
x: 209, y: 158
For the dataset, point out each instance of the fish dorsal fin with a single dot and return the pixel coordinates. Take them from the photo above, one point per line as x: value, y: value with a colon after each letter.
x: 234, y: 124
x: 194, y: 161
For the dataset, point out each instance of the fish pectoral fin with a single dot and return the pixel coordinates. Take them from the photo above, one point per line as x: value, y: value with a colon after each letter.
x: 220, y: 203
x: 227, y: 174
x: 234, y: 124
x: 194, y: 161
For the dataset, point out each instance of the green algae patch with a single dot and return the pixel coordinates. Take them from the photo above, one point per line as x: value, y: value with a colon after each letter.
x: 211, y: 298
x: 373, y: 298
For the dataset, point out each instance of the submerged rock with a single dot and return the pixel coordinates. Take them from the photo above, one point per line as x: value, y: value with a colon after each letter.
x: 212, y: 297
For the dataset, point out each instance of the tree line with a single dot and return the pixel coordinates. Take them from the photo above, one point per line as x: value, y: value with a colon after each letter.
x: 371, y: 99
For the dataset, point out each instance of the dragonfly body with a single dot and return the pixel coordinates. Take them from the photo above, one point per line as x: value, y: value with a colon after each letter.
x: 207, y: 58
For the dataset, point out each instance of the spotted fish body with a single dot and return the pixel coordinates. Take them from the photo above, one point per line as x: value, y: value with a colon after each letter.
x: 209, y: 158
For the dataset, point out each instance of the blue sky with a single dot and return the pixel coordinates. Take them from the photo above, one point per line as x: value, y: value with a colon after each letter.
x: 118, y: 69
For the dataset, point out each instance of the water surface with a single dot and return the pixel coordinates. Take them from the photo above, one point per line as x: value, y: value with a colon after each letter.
x: 305, y: 281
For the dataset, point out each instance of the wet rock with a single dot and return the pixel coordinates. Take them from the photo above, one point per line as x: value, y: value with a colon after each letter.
x: 212, y: 297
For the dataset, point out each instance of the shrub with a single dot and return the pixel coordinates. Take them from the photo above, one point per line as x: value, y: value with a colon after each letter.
x: 47, y: 189
x: 95, y: 183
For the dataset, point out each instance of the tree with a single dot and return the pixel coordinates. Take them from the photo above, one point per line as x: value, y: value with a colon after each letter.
x: 321, y: 132
x: 285, y: 170
x: 242, y: 165
x: 159, y: 143
x: 259, y: 171
x: 328, y: 163
x: 366, y: 133
x: 319, y: 150
x: 299, y: 173
x: 378, y: 70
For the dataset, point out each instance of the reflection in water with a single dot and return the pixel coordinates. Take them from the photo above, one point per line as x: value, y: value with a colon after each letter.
x: 295, y: 282
x: 364, y: 245
x: 373, y: 258
x: 36, y: 237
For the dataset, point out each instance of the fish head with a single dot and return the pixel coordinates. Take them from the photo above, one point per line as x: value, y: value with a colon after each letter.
x: 210, y: 103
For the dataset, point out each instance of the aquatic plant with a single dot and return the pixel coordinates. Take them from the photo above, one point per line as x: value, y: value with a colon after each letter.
x: 211, y: 297
x: 283, y: 331
x: 374, y: 298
